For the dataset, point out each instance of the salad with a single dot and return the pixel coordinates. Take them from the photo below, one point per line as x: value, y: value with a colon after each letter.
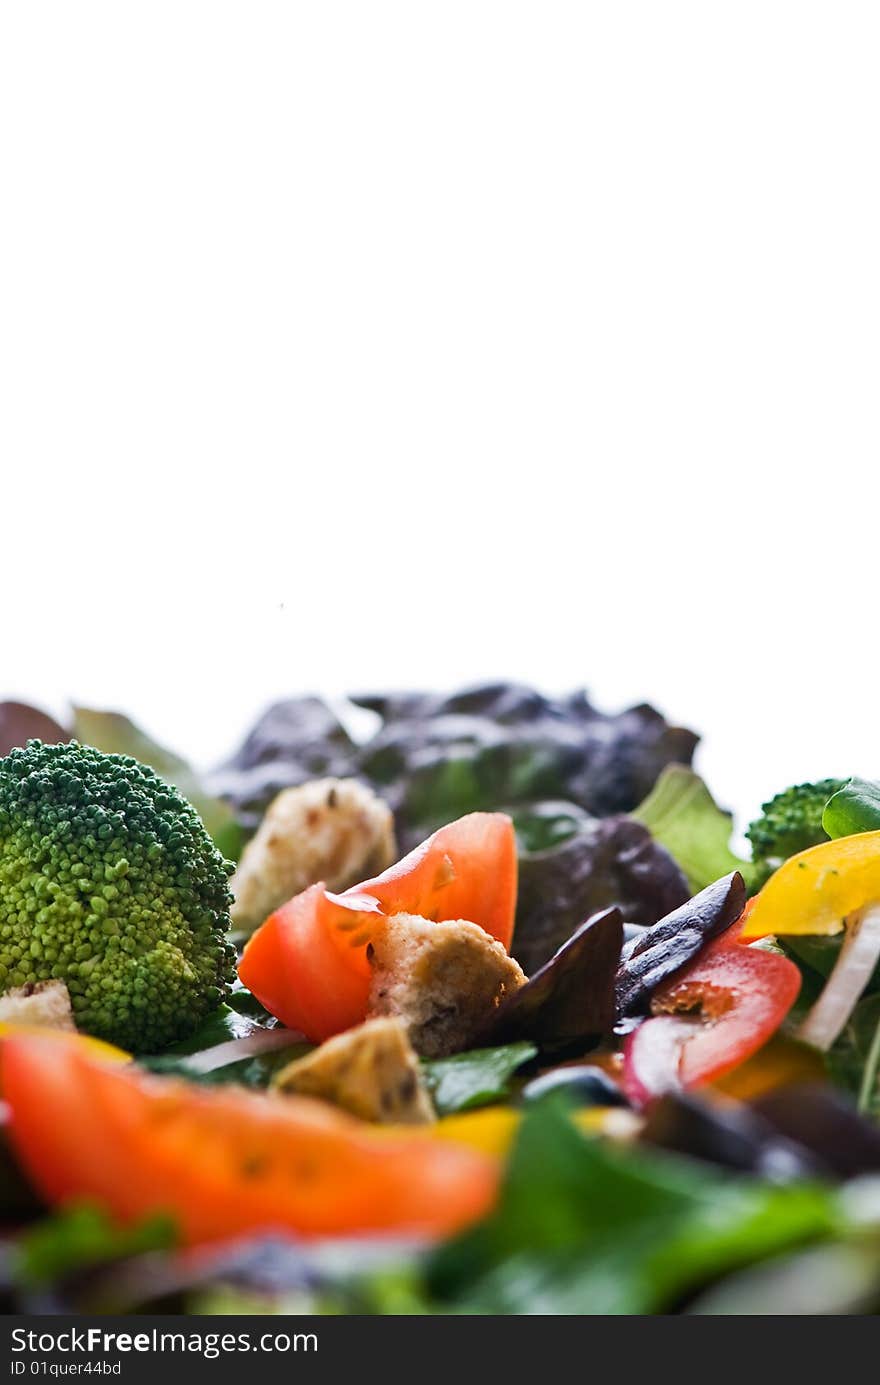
x: 476, y: 1011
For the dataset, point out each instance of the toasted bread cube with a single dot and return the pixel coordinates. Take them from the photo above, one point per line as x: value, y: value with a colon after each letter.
x: 45, y: 1004
x: 442, y: 979
x: 371, y: 1071
x: 332, y: 830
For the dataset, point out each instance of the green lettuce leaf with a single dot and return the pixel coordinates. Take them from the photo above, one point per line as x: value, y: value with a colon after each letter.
x: 831, y: 1280
x: 474, y: 1079
x: 681, y: 814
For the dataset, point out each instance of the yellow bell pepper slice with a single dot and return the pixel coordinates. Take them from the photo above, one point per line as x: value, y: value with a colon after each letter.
x: 782, y: 1062
x: 96, y: 1048
x: 817, y: 890
x: 492, y: 1129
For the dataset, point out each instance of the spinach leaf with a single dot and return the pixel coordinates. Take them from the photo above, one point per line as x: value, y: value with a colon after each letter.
x: 238, y: 1042
x: 256, y: 1071
x: 582, y: 1227
x: 854, y: 1059
x: 251, y: 1060
x: 818, y: 953
x: 245, y: 1003
x: 854, y: 808
x: 476, y: 1078
x: 222, y: 1024
x: 681, y: 814
x: 81, y: 1237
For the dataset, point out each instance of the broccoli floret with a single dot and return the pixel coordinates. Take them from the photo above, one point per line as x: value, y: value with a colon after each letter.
x: 789, y: 823
x: 110, y: 883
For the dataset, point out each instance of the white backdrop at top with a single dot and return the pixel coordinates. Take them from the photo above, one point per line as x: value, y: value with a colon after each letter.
x: 352, y: 345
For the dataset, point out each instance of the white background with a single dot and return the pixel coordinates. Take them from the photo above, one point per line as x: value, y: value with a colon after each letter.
x: 374, y: 344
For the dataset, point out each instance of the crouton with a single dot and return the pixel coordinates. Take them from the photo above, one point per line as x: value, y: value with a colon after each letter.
x: 44, y: 1003
x: 332, y: 830
x: 371, y: 1071
x: 444, y: 980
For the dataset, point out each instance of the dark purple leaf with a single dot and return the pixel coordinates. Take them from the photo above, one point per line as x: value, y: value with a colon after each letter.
x: 20, y: 723
x: 669, y: 945
x: 608, y: 862
x: 733, y: 1136
x: 825, y: 1122
x: 571, y: 998
x: 439, y: 756
x: 292, y: 742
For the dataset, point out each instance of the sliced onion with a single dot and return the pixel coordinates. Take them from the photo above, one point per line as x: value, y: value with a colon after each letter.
x: 853, y: 969
x: 261, y: 1041
x: 652, y: 1056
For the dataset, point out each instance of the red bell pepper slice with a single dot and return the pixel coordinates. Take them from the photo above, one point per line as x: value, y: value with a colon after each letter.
x: 711, y: 1017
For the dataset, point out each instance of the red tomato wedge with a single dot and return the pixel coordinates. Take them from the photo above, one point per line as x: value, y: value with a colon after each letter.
x: 308, y: 962
x: 466, y: 870
x: 716, y: 1013
x: 223, y: 1161
x: 303, y: 967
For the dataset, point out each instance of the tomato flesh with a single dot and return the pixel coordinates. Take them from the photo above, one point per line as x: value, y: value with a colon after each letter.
x: 299, y: 965
x: 466, y: 870
x: 707, y: 1020
x: 224, y: 1161
x: 308, y: 962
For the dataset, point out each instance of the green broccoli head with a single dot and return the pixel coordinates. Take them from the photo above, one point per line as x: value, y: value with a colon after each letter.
x: 110, y: 883
x: 789, y: 823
